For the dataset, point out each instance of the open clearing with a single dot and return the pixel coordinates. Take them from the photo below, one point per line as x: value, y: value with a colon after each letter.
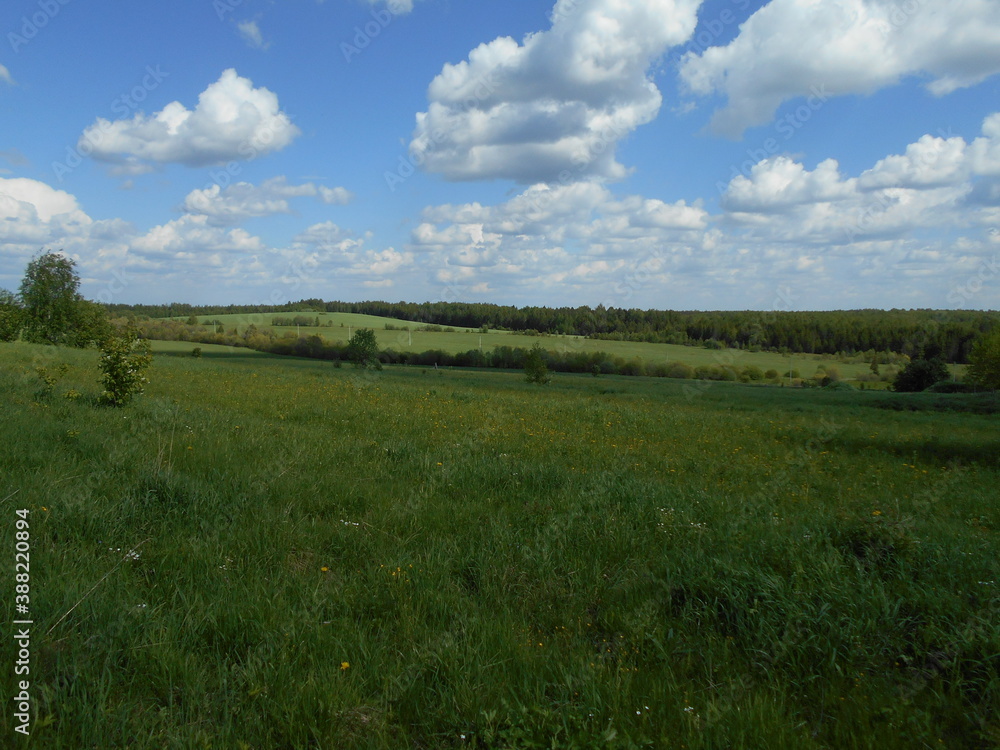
x: 265, y: 552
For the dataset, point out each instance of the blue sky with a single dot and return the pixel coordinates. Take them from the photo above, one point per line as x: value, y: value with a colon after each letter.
x: 726, y: 154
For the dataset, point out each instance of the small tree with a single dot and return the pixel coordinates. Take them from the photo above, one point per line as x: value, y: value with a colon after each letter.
x: 124, y: 361
x: 535, y: 369
x: 49, y: 295
x: 362, y: 349
x: 920, y: 374
x: 984, y: 367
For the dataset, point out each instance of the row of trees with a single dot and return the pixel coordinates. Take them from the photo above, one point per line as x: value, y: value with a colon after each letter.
x: 948, y: 334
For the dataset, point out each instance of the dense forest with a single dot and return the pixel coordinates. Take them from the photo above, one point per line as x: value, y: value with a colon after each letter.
x: 948, y: 334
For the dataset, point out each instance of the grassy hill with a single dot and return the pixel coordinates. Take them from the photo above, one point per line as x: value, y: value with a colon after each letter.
x: 336, y: 327
x: 266, y: 552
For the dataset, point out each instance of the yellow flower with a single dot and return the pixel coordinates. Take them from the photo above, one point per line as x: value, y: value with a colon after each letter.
x: 325, y: 569
x: 876, y: 513
x: 345, y: 665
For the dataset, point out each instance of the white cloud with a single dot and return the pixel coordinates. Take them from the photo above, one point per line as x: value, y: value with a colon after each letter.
x: 337, y: 196
x: 333, y: 253
x: 191, y: 237
x: 250, y: 32
x: 232, y: 121
x: 572, y: 237
x: 34, y: 215
x: 325, y: 235
x: 929, y: 162
x: 22, y: 198
x: 243, y: 200
x: 790, y: 47
x: 984, y: 153
x: 5, y: 75
x: 559, y: 101
x: 397, y: 7
x: 781, y: 183
x: 939, y: 183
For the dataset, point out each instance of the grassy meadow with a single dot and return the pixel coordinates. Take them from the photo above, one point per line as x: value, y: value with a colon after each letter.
x: 337, y: 327
x: 269, y: 553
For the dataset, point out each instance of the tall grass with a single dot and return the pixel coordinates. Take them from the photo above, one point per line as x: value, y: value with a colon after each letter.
x: 420, y: 558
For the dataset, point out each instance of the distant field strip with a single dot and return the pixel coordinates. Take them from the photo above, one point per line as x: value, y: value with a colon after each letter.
x: 462, y: 340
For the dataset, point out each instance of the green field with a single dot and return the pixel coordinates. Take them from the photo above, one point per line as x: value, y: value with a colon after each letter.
x: 266, y: 552
x: 462, y: 340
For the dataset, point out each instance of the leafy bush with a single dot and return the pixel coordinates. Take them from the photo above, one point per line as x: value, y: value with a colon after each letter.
x: 920, y: 375
x: 535, y: 369
x: 985, y: 361
x: 124, y: 361
x: 680, y: 370
x: 362, y: 349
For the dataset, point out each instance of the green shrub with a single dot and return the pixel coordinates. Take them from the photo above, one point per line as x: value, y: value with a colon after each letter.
x: 680, y: 370
x: 535, y: 369
x: 124, y: 360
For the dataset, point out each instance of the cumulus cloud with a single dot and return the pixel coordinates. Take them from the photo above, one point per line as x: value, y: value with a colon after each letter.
x: 781, y: 183
x: 941, y: 183
x: 250, y: 32
x: 35, y: 215
x: 399, y: 7
x: 578, y: 235
x: 5, y: 75
x: 193, y: 236
x: 21, y: 198
x: 243, y: 200
x: 984, y: 152
x: 336, y: 196
x: 929, y: 162
x: 332, y: 253
x: 789, y: 47
x: 232, y: 121
x: 557, y: 102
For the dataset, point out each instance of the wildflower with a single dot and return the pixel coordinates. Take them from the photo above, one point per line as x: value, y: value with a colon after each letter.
x: 325, y: 569
x: 345, y: 665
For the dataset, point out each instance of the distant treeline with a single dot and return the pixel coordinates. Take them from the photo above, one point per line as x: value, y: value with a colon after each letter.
x: 948, y: 334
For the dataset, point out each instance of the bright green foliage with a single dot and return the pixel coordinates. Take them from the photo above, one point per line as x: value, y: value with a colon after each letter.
x: 535, y: 369
x: 124, y: 361
x: 363, y: 349
x: 920, y: 375
x: 984, y: 367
